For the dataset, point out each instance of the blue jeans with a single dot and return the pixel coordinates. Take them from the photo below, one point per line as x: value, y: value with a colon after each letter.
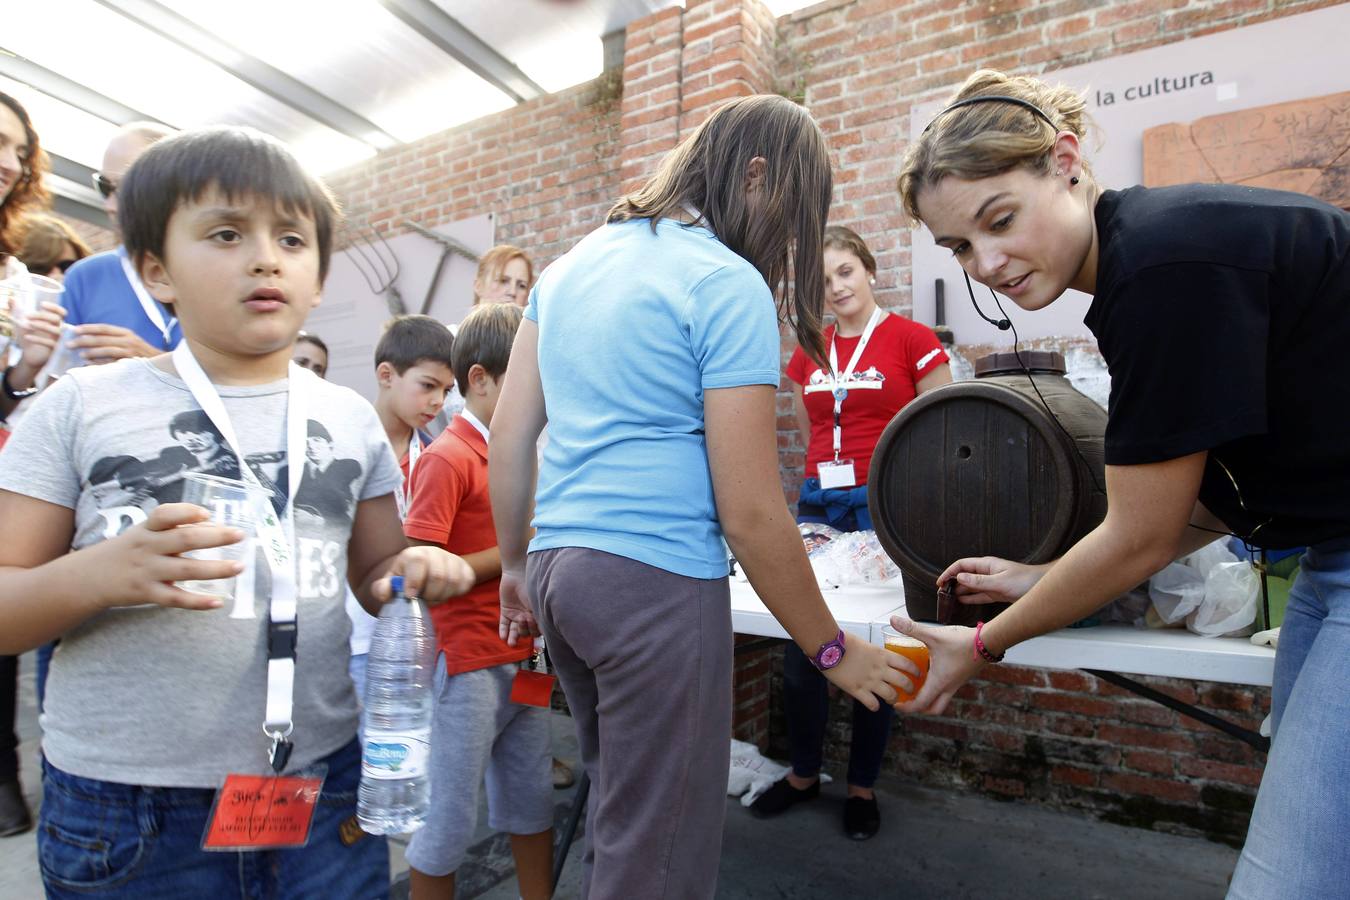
x: 356, y: 668
x: 44, y: 664
x: 806, y: 701
x: 806, y: 693
x: 1298, y: 844
x: 120, y: 840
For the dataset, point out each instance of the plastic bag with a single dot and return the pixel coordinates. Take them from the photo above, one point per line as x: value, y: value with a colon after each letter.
x: 1176, y: 592
x: 752, y: 773
x: 1232, y: 590
x: 1211, y: 591
x: 816, y: 535
x: 1130, y: 608
x: 854, y: 557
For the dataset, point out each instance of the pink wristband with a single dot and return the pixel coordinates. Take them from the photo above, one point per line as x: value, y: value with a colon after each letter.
x: 979, y: 651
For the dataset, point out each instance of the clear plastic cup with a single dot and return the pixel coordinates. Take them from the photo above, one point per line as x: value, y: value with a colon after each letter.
x: 20, y: 297
x: 234, y: 503
x: 912, y: 649
x: 26, y: 293
x: 64, y: 357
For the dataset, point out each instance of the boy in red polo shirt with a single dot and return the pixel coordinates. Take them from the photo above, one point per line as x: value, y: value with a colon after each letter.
x: 477, y: 733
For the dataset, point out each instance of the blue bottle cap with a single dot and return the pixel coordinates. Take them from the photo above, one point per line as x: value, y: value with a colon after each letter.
x: 396, y: 584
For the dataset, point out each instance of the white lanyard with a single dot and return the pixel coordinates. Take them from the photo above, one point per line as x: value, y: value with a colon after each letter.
x: 403, y: 495
x: 839, y: 382
x: 274, y: 534
x: 153, y: 311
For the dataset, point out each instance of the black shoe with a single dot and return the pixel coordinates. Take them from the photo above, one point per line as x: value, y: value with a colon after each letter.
x: 862, y: 818
x: 782, y: 795
x: 14, y: 815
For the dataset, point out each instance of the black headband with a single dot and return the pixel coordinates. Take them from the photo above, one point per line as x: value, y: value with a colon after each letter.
x: 994, y: 98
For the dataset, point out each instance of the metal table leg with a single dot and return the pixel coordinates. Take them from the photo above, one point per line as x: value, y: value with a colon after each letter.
x: 570, y: 827
x: 1242, y: 734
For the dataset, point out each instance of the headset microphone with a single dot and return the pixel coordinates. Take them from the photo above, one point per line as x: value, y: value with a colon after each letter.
x: 1001, y: 324
x: 1004, y: 324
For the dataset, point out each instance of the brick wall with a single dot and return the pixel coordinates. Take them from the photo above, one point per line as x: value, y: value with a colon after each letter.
x: 98, y: 239
x: 547, y: 169
x: 550, y: 168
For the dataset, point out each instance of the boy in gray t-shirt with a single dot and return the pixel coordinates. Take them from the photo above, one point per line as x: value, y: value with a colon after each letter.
x: 156, y: 694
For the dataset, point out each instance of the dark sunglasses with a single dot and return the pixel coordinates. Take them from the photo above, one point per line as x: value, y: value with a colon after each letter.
x: 104, y: 185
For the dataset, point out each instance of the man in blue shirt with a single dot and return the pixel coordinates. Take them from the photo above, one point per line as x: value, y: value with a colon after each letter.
x: 113, y: 315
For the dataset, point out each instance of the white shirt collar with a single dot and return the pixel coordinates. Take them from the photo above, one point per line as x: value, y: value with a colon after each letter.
x: 473, y: 420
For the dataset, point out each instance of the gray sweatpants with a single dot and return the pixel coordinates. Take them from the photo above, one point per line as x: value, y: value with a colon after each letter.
x: 478, y: 736
x: 644, y: 657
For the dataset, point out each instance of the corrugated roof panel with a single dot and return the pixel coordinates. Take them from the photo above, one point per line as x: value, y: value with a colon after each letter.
x: 557, y: 44
x: 63, y: 129
x: 358, y: 55
x: 131, y: 64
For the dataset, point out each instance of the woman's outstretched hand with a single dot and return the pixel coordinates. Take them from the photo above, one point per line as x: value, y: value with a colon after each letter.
x: 988, y: 579
x: 951, y: 663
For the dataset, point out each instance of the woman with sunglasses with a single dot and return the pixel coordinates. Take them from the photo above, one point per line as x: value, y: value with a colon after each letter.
x: 1223, y: 313
x: 50, y: 246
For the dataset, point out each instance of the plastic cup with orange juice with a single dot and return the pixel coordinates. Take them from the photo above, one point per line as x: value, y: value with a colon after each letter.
x: 912, y: 649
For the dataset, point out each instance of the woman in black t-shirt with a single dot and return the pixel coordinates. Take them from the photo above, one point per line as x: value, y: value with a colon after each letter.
x: 1223, y: 314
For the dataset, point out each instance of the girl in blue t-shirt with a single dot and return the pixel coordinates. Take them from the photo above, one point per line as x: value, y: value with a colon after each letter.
x: 651, y: 350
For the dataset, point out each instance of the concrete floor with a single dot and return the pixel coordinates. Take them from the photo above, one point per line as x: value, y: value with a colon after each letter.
x: 933, y: 844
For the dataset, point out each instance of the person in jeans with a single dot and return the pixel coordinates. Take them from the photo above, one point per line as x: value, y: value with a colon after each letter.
x: 884, y: 361
x: 1223, y: 313
x: 157, y: 694
x: 653, y: 346
x: 22, y: 166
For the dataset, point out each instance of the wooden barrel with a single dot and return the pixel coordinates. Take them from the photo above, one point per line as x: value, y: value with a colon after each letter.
x: 979, y: 468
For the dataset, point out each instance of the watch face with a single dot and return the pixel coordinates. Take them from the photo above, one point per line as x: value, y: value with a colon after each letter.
x: 830, y: 656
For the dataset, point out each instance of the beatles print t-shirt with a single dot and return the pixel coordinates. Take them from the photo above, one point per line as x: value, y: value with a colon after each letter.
x: 173, y: 697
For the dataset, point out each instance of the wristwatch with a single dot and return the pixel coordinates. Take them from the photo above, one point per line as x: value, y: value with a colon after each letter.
x: 9, y: 389
x: 830, y: 654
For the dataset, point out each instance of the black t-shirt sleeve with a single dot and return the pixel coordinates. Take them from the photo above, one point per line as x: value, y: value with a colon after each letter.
x: 1186, y: 344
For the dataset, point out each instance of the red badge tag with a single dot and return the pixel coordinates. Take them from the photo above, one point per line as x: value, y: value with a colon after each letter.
x: 253, y: 812
x: 532, y: 688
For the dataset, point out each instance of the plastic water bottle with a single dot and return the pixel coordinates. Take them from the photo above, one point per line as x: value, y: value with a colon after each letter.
x: 395, y: 782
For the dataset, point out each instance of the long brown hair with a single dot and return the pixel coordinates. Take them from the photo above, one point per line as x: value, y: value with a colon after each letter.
x: 28, y: 192
x: 707, y: 171
x: 986, y: 139
x: 44, y: 242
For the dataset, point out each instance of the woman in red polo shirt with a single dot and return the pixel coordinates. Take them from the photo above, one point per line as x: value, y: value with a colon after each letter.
x: 884, y: 361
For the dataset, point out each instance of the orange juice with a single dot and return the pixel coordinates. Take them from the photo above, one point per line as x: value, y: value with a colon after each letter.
x: 914, y: 651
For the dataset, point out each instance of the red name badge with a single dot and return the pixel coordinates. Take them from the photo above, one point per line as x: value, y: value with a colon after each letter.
x: 532, y: 688
x: 255, y: 812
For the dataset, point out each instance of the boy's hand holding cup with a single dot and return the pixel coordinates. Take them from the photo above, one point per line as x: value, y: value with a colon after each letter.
x: 141, y: 565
